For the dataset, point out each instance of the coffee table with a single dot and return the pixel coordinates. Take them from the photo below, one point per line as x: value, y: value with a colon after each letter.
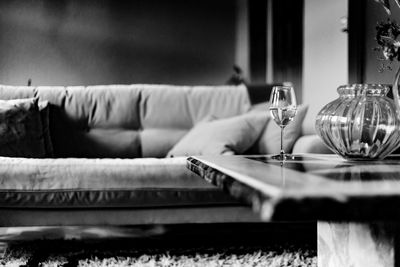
x: 356, y: 204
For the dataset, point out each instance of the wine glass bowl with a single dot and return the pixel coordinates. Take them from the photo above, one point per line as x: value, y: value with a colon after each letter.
x: 283, y: 108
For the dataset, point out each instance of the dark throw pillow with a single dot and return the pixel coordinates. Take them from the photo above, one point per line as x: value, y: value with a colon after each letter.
x: 21, y: 132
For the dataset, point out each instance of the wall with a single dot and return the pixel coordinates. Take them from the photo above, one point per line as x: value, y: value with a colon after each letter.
x: 81, y: 42
x: 242, y: 37
x: 325, y: 64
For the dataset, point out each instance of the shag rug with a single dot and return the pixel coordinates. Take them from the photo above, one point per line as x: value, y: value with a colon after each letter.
x: 273, y: 245
x: 78, y: 253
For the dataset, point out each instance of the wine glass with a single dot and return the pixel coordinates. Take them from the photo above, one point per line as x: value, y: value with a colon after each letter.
x: 283, y: 109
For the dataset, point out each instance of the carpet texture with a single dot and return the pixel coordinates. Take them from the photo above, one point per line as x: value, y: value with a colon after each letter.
x: 253, y: 244
x: 117, y: 253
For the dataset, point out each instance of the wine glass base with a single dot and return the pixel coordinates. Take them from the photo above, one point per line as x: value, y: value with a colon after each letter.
x: 283, y: 157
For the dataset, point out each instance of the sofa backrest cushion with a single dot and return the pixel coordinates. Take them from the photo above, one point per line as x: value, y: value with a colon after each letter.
x: 156, y: 142
x: 113, y: 120
x: 168, y: 112
x: 166, y: 106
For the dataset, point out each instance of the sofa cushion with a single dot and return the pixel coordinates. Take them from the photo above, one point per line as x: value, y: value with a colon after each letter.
x: 44, y: 109
x: 232, y: 135
x: 219, y: 101
x: 167, y: 106
x: 21, y: 133
x: 157, y: 142
x: 108, y: 143
x: 103, y: 183
x: 110, y: 106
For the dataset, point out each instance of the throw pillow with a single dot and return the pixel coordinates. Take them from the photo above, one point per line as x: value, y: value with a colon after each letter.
x: 154, y: 146
x: 21, y: 133
x: 270, y: 139
x: 232, y: 135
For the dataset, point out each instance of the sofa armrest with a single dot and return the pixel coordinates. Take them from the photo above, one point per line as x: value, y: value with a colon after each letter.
x: 310, y: 144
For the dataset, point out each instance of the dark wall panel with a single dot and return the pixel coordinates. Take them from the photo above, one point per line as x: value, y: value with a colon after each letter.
x: 356, y: 40
x: 258, y: 40
x: 287, y: 43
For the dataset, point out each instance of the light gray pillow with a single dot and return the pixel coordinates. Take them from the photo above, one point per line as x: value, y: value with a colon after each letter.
x: 270, y: 139
x: 232, y: 135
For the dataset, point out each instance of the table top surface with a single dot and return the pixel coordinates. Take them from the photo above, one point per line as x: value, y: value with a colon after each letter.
x: 311, y: 187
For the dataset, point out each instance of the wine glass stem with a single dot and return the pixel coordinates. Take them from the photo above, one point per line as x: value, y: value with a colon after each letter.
x: 282, y: 151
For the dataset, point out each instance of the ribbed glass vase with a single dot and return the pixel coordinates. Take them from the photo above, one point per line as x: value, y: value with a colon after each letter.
x: 361, y: 124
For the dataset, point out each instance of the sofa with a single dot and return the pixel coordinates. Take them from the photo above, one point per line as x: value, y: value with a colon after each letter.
x: 115, y: 154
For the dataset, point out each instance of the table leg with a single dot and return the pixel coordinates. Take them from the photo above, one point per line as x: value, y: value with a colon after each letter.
x: 358, y: 244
